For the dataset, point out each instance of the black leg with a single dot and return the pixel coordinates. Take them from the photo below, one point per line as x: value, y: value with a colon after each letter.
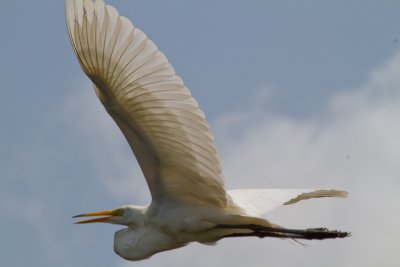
x: 263, y: 231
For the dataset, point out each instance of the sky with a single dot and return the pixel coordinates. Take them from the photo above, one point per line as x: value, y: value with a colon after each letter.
x: 299, y: 94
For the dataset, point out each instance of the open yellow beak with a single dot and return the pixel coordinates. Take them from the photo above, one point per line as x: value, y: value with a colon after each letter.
x: 106, y: 215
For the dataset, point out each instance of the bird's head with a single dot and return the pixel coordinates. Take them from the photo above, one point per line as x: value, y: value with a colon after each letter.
x: 126, y: 215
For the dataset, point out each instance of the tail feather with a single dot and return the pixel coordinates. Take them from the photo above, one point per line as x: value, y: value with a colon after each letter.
x: 317, y: 194
x: 256, y: 202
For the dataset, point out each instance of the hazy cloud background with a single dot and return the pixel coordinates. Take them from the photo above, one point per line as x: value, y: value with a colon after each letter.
x: 298, y: 95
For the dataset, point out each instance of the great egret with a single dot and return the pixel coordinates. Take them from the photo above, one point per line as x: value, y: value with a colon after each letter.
x: 171, y: 140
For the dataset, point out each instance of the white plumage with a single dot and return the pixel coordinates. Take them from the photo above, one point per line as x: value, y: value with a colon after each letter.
x: 172, y: 142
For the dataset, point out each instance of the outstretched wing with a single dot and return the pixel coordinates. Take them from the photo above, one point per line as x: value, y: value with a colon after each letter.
x: 162, y: 123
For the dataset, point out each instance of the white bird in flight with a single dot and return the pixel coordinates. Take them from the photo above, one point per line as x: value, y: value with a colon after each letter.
x: 172, y: 142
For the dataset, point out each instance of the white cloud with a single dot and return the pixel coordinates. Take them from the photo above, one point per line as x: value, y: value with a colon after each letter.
x: 353, y: 144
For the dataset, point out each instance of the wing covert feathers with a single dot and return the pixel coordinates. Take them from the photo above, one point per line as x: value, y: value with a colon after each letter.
x: 162, y: 123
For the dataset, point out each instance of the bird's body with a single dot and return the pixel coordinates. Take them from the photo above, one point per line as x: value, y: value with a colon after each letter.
x: 172, y: 143
x: 165, y: 227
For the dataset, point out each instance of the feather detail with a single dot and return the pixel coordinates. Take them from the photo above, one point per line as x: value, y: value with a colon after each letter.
x: 256, y: 202
x: 162, y: 123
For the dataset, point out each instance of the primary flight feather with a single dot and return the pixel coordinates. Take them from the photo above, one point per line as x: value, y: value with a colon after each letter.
x: 172, y: 143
